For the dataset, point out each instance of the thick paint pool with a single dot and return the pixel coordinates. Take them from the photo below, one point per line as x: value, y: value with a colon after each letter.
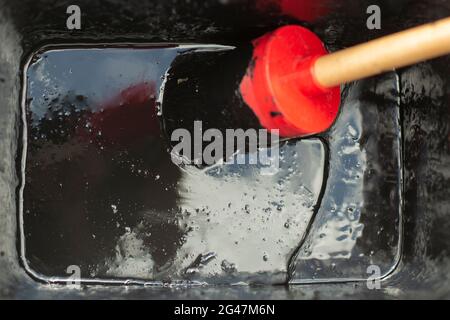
x: 101, y: 192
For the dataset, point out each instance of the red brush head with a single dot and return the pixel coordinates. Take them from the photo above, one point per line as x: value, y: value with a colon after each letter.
x: 280, y: 88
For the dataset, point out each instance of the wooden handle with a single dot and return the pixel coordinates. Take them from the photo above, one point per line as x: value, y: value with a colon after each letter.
x: 384, y: 54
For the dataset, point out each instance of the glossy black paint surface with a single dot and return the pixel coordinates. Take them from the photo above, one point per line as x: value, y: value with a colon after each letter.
x: 424, y: 265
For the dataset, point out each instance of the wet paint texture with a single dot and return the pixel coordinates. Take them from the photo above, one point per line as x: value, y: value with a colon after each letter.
x: 102, y: 192
x: 423, y: 272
